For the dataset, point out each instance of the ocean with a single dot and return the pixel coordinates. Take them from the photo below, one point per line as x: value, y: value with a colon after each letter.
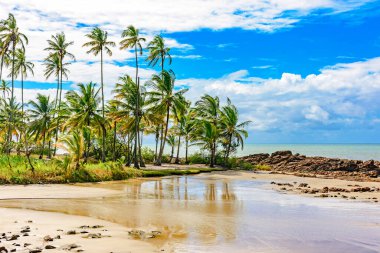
x: 349, y: 151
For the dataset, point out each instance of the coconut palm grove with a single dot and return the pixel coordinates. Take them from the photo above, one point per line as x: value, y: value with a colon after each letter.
x: 89, y: 130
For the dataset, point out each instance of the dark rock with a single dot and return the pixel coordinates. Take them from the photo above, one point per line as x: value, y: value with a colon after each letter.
x: 48, y: 238
x: 49, y: 247
x: 71, y: 232
x: 36, y: 250
x: 3, y: 250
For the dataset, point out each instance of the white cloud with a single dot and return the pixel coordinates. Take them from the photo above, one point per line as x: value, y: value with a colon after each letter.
x: 340, y: 94
x: 171, y: 16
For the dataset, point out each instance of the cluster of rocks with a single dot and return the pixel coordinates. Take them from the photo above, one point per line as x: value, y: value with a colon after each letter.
x: 327, y: 191
x: 28, y: 247
x: 286, y: 161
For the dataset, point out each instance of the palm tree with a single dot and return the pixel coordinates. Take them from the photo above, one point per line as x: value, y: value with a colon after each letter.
x: 207, y: 133
x: 57, y: 47
x: 208, y: 110
x: 22, y: 67
x: 85, y: 114
x: 4, y: 87
x: 40, y: 113
x: 232, y: 130
x: 53, y: 67
x: 74, y: 144
x: 188, y: 129
x: 132, y: 39
x: 158, y: 53
x: 170, y: 139
x: 98, y: 42
x: 11, y: 118
x: 9, y: 33
x: 163, y: 97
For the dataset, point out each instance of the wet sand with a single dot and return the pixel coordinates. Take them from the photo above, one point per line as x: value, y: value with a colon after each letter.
x: 288, y: 183
x: 214, y: 212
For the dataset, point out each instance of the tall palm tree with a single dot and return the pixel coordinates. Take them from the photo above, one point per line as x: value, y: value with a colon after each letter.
x: 74, y: 144
x: 58, y: 46
x: 158, y: 53
x: 53, y: 67
x: 85, y: 114
x: 4, y: 87
x: 206, y: 135
x: 209, y: 110
x: 40, y: 112
x: 98, y: 42
x: 22, y: 67
x: 163, y: 97
x: 9, y: 33
x: 232, y: 130
x: 132, y: 39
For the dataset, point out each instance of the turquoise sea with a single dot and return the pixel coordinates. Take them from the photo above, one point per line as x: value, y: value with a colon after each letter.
x: 349, y: 151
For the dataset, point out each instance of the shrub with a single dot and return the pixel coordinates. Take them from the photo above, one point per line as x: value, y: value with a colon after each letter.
x: 147, y: 155
x: 198, y: 158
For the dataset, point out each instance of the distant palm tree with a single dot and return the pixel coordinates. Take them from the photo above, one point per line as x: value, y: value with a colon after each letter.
x: 158, y: 53
x: 74, y: 144
x: 85, y: 114
x: 9, y: 33
x: 11, y: 118
x: 170, y: 139
x: 208, y: 109
x: 22, y: 67
x: 4, y: 87
x: 98, y: 42
x: 58, y: 48
x: 207, y: 133
x: 40, y: 112
x: 53, y: 67
x: 232, y: 130
x: 132, y: 39
x: 163, y: 97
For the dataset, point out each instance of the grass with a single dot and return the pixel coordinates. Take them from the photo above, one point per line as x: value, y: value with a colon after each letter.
x: 16, y: 170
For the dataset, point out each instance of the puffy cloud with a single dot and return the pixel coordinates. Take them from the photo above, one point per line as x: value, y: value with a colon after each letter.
x: 344, y: 95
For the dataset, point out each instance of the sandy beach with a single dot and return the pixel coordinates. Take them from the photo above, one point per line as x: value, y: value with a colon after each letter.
x: 26, y: 230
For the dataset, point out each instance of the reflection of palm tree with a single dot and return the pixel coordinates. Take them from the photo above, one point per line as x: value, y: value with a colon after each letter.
x: 210, y: 192
x: 227, y: 194
x: 4, y: 87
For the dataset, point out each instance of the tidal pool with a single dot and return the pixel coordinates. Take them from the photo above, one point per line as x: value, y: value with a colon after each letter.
x: 208, y: 214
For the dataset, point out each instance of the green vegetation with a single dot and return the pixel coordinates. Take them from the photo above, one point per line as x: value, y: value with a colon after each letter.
x: 97, y: 133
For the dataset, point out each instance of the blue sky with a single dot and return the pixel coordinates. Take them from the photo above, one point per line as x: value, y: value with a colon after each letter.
x: 301, y: 71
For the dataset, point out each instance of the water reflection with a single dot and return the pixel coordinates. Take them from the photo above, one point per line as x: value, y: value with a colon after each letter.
x: 199, y: 214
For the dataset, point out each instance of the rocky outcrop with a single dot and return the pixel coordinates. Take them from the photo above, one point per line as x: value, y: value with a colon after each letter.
x: 286, y: 161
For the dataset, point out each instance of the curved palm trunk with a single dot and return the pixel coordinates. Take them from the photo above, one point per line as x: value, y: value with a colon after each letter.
x: 137, y: 121
x: 104, y: 129
x: 164, y: 137
x: 179, y: 145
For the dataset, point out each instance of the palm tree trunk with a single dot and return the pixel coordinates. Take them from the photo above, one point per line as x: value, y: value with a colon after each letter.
x: 128, y: 150
x: 1, y: 66
x: 55, y: 108
x: 13, y: 65
x: 114, y: 141
x: 157, y: 138
x: 187, y: 148
x: 228, y: 150
x: 59, y: 107
x: 179, y: 145
x: 137, y: 131
x: 43, y: 147
x: 49, y: 149
x: 164, y: 137
x: 104, y: 129
x: 172, y: 154
x: 142, y: 164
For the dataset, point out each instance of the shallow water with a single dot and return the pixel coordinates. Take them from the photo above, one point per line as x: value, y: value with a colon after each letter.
x: 202, y: 213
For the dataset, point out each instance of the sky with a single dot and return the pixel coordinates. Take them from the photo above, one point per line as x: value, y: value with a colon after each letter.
x: 301, y: 71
